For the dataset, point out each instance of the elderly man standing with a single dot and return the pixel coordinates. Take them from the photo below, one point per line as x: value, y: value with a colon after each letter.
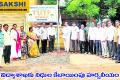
x: 43, y: 36
x: 7, y: 44
x: 74, y: 36
x: 110, y: 37
x: 91, y: 38
x: 66, y: 36
x: 104, y: 40
x: 98, y: 39
x: 51, y: 36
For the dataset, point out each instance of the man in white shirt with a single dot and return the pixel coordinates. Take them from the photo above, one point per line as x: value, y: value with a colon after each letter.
x: 43, y: 36
x: 98, y: 39
x: 82, y: 39
x: 51, y: 36
x: 7, y: 44
x: 74, y: 36
x: 66, y: 36
x: 110, y: 36
x: 36, y: 31
x: 91, y: 38
x: 104, y: 39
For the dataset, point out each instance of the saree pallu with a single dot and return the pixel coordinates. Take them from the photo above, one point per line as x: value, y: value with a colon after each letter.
x: 33, y: 48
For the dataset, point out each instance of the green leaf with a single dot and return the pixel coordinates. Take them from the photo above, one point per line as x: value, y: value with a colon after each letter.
x: 118, y: 1
x: 108, y: 2
x: 112, y: 12
x: 88, y: 2
x: 95, y: 1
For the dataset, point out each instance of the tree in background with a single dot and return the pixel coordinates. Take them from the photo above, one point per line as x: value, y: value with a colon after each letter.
x: 112, y: 5
x: 50, y: 2
x: 88, y: 8
x: 92, y: 8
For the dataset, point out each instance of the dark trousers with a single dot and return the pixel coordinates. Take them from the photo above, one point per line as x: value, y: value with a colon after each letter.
x: 92, y: 48
x: 82, y: 46
x: 98, y: 47
x: 74, y: 45
x: 86, y: 46
x: 114, y: 54
x: 44, y: 45
x: 118, y: 53
x: 110, y: 48
x: 7, y: 53
x: 51, y: 44
x: 38, y: 43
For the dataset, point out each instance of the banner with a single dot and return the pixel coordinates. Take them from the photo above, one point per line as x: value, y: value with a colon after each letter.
x: 14, y: 6
x: 43, y: 13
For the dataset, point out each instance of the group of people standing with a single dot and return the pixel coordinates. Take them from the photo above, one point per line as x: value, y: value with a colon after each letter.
x: 102, y: 39
x: 17, y: 44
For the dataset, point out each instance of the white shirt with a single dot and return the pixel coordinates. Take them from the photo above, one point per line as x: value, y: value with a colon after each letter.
x: 74, y: 33
x: 66, y: 32
x: 103, y: 33
x: 91, y: 33
x: 98, y: 34
x: 43, y: 33
x: 81, y: 35
x: 36, y: 31
x: 51, y: 31
x: 7, y: 39
x: 110, y: 33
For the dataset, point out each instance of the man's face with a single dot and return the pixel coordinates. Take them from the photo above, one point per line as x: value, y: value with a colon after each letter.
x: 15, y: 26
x: 98, y: 25
x: 117, y: 23
x: 43, y: 24
x: 109, y: 24
x: 51, y: 24
x: 87, y: 24
x: 6, y: 28
x: 35, y: 25
x: 103, y: 24
x: 22, y: 28
x: 74, y: 24
x: 82, y: 26
x: 66, y: 23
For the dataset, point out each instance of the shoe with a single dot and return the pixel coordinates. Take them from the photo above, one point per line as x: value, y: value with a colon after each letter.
x: 117, y: 61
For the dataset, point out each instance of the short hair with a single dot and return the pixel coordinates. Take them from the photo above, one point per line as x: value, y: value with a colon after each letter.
x: 30, y: 28
x: 73, y: 22
x: 43, y: 23
x: 22, y: 26
x: 5, y: 25
x: 14, y: 24
x: 109, y: 21
x: 117, y: 21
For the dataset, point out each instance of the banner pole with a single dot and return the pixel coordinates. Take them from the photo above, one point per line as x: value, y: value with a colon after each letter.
x: 58, y: 25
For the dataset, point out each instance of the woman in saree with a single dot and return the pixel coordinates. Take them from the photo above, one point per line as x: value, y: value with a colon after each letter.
x: 33, y: 48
